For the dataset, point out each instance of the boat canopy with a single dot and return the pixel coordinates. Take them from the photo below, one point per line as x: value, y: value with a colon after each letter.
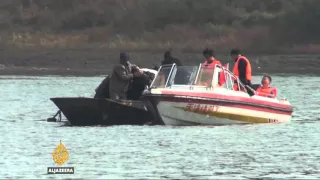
x: 171, y: 76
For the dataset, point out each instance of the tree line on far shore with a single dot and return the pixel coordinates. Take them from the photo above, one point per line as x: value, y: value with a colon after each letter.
x: 259, y: 24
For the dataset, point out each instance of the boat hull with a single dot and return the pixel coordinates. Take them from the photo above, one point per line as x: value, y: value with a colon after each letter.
x: 179, y: 114
x: 180, y: 111
x: 92, y: 111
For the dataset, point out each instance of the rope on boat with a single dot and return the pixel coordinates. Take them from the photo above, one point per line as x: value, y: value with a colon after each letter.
x: 59, y: 116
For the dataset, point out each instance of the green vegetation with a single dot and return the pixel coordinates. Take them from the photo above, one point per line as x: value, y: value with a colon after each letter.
x: 269, y: 26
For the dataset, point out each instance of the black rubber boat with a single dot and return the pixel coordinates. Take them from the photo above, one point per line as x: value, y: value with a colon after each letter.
x: 99, y: 110
x: 82, y: 111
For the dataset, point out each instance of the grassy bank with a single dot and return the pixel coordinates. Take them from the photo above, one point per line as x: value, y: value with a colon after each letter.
x: 253, y: 41
x: 277, y: 26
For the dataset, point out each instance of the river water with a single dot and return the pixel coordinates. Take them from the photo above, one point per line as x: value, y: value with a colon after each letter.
x: 290, y: 151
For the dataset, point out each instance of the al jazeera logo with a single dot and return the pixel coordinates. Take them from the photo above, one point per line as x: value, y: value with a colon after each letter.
x: 60, y: 155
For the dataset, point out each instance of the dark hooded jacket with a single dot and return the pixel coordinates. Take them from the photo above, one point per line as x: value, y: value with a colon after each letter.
x: 182, y: 75
x: 169, y: 59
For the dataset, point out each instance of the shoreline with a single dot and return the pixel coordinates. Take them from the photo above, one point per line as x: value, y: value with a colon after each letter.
x: 59, y: 72
x: 97, y: 62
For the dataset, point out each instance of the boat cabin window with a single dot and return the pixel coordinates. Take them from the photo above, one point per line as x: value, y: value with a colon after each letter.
x: 205, y: 76
x: 162, y: 76
x: 183, y: 75
x: 169, y: 75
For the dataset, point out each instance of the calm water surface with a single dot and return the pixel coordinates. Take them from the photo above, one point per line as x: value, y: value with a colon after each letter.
x: 267, y: 151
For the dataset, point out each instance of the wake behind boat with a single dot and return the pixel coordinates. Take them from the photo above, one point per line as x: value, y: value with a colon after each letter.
x: 187, y: 95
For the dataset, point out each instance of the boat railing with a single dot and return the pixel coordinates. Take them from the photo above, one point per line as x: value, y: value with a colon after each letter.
x: 167, y: 77
x: 170, y: 74
x: 229, y: 76
x: 198, y: 72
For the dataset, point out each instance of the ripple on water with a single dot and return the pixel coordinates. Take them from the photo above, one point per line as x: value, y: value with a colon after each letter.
x: 251, y: 151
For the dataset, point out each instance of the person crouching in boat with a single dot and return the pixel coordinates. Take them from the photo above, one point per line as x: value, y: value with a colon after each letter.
x: 210, y: 59
x: 207, y: 69
x: 121, y: 77
x: 265, y: 89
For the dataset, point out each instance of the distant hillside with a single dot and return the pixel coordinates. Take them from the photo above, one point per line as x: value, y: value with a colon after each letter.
x: 253, y: 25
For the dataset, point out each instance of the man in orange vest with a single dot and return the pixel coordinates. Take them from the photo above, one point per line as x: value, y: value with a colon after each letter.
x: 265, y: 90
x: 242, y: 67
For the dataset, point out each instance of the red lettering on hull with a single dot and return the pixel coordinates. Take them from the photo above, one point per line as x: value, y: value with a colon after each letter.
x: 201, y: 108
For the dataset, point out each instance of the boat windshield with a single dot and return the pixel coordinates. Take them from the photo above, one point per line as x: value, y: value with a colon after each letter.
x: 175, y: 75
x: 202, y: 76
x: 162, y: 76
x: 205, y: 76
x: 183, y: 75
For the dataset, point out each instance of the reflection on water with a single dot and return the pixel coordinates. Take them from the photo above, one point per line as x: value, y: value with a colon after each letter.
x: 251, y: 151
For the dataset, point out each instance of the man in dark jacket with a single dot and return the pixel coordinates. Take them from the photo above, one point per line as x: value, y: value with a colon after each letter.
x: 121, y: 77
x: 181, y: 76
x: 242, y: 67
x: 169, y: 59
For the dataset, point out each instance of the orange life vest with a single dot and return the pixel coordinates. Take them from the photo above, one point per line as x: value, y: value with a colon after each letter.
x: 248, y: 68
x: 212, y: 64
x: 267, y: 92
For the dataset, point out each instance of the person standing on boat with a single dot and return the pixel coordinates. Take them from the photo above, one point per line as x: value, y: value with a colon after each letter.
x: 210, y: 60
x: 242, y: 67
x: 265, y: 89
x: 121, y: 77
x: 168, y: 60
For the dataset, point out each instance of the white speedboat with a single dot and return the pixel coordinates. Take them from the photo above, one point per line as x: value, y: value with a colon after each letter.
x: 192, y: 95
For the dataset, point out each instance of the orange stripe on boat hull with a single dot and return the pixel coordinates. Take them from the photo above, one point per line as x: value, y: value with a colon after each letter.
x: 235, y: 117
